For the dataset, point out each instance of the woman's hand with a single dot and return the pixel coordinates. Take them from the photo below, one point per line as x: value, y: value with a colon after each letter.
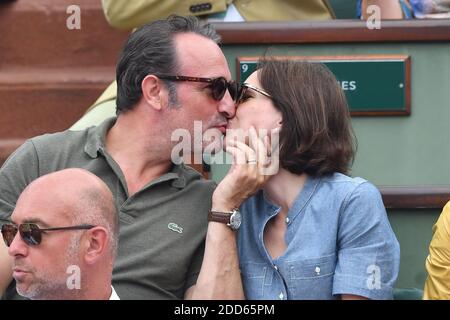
x: 248, y: 171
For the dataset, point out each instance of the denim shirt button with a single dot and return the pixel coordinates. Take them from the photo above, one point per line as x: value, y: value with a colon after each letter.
x: 281, y: 296
x: 287, y: 220
x: 317, y: 270
x: 275, y: 267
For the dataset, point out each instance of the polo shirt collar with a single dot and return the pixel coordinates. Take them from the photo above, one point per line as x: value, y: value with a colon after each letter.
x: 176, y: 173
x: 97, y: 136
x: 95, y: 143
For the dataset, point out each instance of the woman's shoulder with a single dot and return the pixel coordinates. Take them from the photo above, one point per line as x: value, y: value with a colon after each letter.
x: 339, y: 188
x: 341, y: 182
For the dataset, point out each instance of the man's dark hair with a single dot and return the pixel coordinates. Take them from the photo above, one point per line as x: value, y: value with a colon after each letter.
x: 151, y: 50
x: 316, y: 135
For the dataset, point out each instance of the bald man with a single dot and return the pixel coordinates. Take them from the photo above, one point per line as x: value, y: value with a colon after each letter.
x: 63, y: 237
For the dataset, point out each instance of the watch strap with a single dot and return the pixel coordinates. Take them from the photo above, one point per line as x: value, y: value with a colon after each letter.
x: 218, y: 216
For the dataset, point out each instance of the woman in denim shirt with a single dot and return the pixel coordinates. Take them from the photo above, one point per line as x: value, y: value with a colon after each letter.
x: 312, y: 232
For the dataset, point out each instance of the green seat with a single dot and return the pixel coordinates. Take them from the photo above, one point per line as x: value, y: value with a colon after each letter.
x: 344, y: 9
x: 408, y: 294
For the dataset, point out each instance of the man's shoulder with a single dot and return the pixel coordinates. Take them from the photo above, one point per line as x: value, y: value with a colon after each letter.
x: 60, y: 140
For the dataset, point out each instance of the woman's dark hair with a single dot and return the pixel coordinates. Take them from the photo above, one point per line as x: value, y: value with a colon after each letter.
x: 151, y: 50
x: 316, y: 135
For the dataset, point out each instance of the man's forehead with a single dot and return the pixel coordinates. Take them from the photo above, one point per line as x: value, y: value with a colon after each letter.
x: 25, y: 214
x: 201, y: 55
x: 31, y: 218
x: 43, y: 206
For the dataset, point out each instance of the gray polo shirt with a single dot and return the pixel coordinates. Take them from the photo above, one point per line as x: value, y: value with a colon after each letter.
x: 162, y: 227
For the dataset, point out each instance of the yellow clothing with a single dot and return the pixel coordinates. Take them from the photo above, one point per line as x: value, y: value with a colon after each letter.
x: 437, y: 285
x: 126, y: 14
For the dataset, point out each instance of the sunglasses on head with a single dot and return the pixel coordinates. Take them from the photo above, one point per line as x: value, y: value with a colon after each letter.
x: 242, y: 92
x: 31, y: 234
x: 218, y: 85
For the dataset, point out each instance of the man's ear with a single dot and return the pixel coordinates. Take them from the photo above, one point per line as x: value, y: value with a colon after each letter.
x: 96, y: 242
x: 152, y: 91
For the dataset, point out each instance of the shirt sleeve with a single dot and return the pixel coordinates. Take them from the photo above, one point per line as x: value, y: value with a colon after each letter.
x: 368, y: 251
x: 437, y: 285
x: 17, y: 172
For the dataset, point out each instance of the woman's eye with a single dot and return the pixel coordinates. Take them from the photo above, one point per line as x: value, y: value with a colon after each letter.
x: 246, y: 97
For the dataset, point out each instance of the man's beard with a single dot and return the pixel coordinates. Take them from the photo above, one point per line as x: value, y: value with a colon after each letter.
x: 48, y: 285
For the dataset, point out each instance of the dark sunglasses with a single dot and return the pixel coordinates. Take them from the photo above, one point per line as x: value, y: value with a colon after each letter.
x: 242, y: 92
x: 218, y: 85
x: 31, y: 234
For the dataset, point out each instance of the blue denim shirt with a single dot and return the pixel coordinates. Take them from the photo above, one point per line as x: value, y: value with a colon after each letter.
x: 339, y: 241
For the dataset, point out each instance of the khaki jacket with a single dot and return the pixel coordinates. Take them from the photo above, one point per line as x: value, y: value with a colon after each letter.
x: 437, y: 285
x: 126, y: 14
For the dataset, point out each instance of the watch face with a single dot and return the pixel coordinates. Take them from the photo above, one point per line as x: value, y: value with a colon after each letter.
x: 235, y: 220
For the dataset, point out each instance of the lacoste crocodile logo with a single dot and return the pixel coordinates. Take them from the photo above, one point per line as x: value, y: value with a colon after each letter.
x: 174, y: 227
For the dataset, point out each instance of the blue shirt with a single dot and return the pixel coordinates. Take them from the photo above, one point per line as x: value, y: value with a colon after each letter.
x: 339, y: 241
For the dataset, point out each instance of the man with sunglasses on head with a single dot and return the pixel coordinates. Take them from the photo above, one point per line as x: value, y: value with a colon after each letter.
x: 170, y: 74
x: 63, y: 238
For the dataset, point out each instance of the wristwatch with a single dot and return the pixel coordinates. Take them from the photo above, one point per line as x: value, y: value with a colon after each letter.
x: 231, y: 218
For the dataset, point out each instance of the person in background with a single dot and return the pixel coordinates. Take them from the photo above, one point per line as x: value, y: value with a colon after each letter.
x: 124, y: 14
x: 407, y: 9
x: 63, y: 238
x: 437, y: 284
x: 311, y: 232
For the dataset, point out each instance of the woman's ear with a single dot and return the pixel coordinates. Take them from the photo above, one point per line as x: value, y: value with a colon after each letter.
x: 152, y: 91
x: 97, y: 240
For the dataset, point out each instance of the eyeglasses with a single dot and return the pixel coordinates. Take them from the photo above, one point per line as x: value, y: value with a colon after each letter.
x: 31, y: 234
x: 243, y: 90
x: 218, y: 85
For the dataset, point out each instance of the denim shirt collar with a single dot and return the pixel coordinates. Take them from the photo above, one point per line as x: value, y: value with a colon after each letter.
x: 300, y: 202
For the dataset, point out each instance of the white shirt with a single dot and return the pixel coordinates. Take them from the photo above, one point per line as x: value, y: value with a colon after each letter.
x: 114, y: 295
x: 231, y: 15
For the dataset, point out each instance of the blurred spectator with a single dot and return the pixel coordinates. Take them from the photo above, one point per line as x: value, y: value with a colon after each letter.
x: 431, y: 9
x: 124, y: 14
x: 407, y: 9
x: 437, y: 285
